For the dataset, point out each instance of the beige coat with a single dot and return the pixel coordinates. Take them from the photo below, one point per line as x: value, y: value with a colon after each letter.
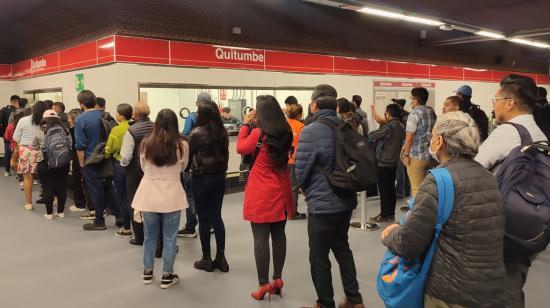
x: 161, y: 190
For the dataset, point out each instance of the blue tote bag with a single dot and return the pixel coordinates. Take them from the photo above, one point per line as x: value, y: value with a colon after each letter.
x: 401, y: 281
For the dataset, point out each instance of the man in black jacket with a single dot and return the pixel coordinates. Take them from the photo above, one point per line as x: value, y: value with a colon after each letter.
x: 5, y: 114
x: 479, y: 116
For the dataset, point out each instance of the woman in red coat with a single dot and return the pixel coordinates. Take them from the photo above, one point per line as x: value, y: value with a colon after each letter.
x: 268, y: 200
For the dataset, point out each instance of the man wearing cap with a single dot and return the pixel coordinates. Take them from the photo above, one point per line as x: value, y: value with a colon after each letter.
x: 479, y: 116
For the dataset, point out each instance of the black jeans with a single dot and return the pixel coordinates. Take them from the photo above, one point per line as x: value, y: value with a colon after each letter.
x: 208, y: 191
x: 133, y: 178
x: 7, y: 155
x: 261, y: 233
x: 386, y: 189
x: 516, y: 276
x: 330, y: 232
x: 54, y: 183
x: 80, y: 197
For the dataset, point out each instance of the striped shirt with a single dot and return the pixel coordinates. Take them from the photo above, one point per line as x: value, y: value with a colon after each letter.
x: 421, y: 122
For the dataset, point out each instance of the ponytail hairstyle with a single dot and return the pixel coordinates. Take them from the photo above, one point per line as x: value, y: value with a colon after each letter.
x: 278, y: 135
x: 164, y: 146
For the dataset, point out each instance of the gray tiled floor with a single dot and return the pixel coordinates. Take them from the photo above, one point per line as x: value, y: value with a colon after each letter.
x: 56, y: 264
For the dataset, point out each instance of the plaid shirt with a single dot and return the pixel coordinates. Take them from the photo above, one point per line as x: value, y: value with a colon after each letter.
x: 421, y: 122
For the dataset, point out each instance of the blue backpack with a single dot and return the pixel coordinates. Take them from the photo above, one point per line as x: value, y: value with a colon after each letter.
x: 401, y: 281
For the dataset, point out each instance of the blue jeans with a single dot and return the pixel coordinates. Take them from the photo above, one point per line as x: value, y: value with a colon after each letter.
x: 122, y: 195
x: 190, y: 212
x: 7, y: 155
x: 403, y: 186
x: 152, y: 224
x: 102, y: 192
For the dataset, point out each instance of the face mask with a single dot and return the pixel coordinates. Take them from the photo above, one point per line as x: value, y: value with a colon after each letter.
x: 433, y: 153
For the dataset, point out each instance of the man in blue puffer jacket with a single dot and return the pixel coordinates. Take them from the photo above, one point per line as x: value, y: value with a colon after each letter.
x: 329, y: 209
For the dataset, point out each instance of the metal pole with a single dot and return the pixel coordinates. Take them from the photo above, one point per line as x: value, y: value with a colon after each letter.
x: 363, y: 225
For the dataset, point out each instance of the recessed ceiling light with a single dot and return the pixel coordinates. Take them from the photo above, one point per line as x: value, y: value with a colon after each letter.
x: 490, y: 34
x: 415, y: 19
x: 530, y: 43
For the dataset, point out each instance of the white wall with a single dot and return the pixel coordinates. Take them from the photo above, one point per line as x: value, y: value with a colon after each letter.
x: 7, y: 89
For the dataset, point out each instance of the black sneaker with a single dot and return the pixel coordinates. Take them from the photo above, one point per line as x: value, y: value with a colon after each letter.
x: 404, y: 209
x: 221, y: 263
x: 168, y: 280
x: 124, y: 233
x: 88, y: 215
x: 147, y: 276
x: 382, y: 219
x: 135, y: 242
x: 190, y: 233
x: 205, y: 264
x: 41, y: 201
x: 299, y: 216
x: 92, y: 226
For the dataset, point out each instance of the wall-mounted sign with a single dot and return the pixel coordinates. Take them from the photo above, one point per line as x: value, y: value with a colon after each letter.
x: 79, y: 82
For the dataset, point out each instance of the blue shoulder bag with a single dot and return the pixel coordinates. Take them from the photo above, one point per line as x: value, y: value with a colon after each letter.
x: 401, y: 281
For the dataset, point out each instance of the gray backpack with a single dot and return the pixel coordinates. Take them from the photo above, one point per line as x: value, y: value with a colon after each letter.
x: 57, y: 148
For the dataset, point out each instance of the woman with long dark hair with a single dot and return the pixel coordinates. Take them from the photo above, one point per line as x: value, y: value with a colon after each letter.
x: 53, y: 169
x: 160, y: 196
x: 209, y: 155
x: 268, y: 199
x: 26, y: 135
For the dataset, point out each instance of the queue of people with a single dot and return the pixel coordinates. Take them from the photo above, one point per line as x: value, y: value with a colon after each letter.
x: 122, y: 166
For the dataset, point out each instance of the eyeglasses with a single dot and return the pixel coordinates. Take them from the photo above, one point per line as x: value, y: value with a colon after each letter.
x: 499, y: 98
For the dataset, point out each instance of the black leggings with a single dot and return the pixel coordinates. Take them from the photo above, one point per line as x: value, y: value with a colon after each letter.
x: 208, y: 191
x: 261, y: 234
x: 54, y: 183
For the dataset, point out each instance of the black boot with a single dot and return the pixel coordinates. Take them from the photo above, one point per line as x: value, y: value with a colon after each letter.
x: 205, y: 263
x: 220, y: 262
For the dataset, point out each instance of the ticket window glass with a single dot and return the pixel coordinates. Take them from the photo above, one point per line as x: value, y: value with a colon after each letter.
x: 182, y: 99
x: 55, y: 95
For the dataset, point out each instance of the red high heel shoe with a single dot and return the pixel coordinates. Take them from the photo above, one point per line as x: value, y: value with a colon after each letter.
x: 262, y: 290
x: 277, y: 287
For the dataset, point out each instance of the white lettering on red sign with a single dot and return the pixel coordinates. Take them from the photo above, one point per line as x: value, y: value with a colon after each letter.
x: 38, y: 64
x: 239, y: 55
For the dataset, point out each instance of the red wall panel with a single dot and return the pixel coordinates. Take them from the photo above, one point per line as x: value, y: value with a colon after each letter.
x: 21, y: 69
x: 5, y: 71
x: 356, y: 66
x: 478, y: 75
x: 106, y: 50
x: 142, y: 50
x: 298, y: 62
x: 400, y: 69
x: 80, y: 56
x: 446, y: 72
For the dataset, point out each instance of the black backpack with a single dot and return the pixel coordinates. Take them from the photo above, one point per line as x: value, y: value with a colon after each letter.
x: 482, y: 122
x: 524, y: 183
x: 57, y: 148
x: 354, y: 158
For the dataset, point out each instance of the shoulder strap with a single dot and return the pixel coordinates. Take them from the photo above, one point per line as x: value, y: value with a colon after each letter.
x: 445, y: 196
x: 328, y: 123
x: 523, y: 133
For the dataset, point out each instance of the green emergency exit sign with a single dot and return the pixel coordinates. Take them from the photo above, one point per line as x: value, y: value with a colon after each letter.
x: 79, y: 82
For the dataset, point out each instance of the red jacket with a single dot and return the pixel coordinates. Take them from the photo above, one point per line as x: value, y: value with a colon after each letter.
x: 268, y: 194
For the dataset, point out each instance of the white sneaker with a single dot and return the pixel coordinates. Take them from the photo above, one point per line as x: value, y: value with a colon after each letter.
x: 36, y: 182
x: 60, y: 215
x: 74, y: 208
x: 6, y: 173
x: 28, y: 207
x: 21, y: 184
x: 49, y: 217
